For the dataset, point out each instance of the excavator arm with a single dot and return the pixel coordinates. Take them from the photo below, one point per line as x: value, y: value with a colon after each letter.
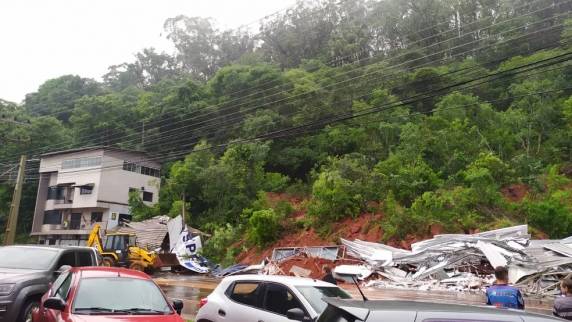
x: 95, y: 238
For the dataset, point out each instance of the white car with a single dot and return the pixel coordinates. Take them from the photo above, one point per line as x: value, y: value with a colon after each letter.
x: 267, y: 298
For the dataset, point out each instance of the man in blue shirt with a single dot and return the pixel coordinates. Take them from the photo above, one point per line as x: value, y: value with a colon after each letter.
x: 501, y: 294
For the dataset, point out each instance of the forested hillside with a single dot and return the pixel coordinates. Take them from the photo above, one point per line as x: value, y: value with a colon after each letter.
x: 455, y: 113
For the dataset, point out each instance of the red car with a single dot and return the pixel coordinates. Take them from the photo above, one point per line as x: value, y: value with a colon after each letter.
x: 106, y: 294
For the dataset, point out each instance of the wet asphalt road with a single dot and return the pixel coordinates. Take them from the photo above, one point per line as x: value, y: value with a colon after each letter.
x: 191, y: 288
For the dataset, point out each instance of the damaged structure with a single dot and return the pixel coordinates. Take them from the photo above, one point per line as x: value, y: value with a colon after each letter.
x: 464, y: 262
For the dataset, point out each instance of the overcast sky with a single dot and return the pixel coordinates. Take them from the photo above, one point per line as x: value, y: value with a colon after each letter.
x: 43, y: 39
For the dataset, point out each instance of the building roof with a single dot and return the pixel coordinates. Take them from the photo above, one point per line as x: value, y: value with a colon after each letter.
x: 150, y: 233
x: 90, y: 148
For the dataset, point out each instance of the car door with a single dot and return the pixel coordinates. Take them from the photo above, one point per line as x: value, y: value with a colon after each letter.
x: 244, y: 302
x: 278, y: 299
x: 61, y: 289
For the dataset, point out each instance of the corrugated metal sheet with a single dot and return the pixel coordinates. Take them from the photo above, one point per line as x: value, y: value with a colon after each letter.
x: 560, y: 249
x: 150, y: 233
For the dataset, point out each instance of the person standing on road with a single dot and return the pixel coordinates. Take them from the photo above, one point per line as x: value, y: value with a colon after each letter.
x: 563, y: 304
x: 502, y: 295
x: 329, y: 277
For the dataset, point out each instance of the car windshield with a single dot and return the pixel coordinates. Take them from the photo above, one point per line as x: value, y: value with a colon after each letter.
x: 119, y: 295
x: 314, y: 295
x: 27, y: 258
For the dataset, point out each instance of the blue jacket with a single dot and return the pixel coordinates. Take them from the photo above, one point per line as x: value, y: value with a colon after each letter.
x: 505, y: 296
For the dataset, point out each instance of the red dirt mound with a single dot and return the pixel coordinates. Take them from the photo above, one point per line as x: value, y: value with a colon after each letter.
x: 515, y: 192
x: 365, y: 227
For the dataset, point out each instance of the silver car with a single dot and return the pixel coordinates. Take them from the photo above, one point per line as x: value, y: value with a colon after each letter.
x: 339, y: 310
x: 267, y: 298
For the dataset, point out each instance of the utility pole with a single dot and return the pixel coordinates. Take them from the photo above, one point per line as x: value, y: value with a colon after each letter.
x: 15, y: 206
x: 183, y: 211
x: 143, y: 135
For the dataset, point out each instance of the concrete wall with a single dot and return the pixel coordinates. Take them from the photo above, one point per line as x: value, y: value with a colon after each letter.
x: 54, y: 163
x: 115, y: 182
x: 41, y: 197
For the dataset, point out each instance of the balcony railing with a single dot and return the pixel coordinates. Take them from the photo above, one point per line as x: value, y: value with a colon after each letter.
x: 63, y: 201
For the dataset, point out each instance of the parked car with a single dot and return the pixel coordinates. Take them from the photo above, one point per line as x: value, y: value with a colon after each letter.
x: 27, y: 271
x: 407, y: 311
x: 106, y: 294
x: 267, y: 298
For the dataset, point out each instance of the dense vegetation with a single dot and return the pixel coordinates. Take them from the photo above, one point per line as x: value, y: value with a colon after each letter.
x: 426, y: 109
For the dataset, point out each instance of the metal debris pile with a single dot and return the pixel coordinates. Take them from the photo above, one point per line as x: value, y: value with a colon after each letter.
x: 303, y: 261
x: 462, y: 262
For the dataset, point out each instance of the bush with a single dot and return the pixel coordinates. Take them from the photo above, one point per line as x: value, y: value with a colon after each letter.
x: 218, y: 248
x: 407, y: 180
x: 397, y: 222
x: 454, y: 209
x: 551, y: 215
x: 299, y: 189
x: 275, y: 182
x: 283, y: 208
x: 263, y: 227
x: 333, y: 198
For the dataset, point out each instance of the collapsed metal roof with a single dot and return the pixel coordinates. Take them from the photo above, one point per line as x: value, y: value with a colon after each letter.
x: 532, y: 263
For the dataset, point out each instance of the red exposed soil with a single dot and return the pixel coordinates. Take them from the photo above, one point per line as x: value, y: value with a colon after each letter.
x: 515, y: 192
x: 315, y: 265
x: 365, y: 227
x: 300, y: 238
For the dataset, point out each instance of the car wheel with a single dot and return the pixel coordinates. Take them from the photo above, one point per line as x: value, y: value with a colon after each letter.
x: 137, y: 267
x: 26, y: 313
x: 107, y: 262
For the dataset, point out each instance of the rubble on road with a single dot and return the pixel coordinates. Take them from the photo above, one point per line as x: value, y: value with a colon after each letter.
x: 462, y: 262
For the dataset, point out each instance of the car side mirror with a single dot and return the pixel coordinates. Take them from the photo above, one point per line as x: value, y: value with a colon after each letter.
x: 178, y: 306
x: 296, y: 314
x: 62, y: 269
x: 55, y: 303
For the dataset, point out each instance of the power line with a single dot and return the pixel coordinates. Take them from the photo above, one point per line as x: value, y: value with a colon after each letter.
x: 271, y: 135
x: 241, y: 113
x: 351, y: 71
x: 442, y: 75
x: 428, y: 55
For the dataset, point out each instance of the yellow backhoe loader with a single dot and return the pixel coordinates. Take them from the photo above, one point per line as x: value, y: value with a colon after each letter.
x: 120, y: 249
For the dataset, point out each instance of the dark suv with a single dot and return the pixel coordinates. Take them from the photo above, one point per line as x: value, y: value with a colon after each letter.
x: 339, y: 310
x: 27, y: 271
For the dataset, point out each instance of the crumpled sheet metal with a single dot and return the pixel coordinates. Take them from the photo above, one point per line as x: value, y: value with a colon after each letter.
x: 450, y: 257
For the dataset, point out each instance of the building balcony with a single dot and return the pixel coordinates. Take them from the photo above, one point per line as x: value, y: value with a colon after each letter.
x: 70, y: 229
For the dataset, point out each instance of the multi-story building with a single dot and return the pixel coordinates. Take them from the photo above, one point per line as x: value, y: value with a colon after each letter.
x: 81, y: 187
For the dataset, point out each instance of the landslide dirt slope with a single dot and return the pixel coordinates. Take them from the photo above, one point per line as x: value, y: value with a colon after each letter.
x: 365, y: 227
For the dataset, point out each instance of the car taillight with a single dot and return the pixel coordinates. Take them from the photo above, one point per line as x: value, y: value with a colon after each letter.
x: 203, y: 302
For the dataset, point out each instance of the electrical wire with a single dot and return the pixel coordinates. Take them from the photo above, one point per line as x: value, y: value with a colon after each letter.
x: 428, y: 55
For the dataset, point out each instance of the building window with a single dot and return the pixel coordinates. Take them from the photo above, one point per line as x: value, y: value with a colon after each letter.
x: 147, y: 196
x: 85, y: 190
x: 96, y: 217
x: 52, y: 217
x: 81, y: 163
x: 56, y: 193
x: 132, y: 167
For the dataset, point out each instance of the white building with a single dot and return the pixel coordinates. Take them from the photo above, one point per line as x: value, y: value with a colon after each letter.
x: 78, y: 188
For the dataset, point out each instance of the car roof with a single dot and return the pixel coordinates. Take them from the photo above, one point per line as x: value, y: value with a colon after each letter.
x: 54, y: 247
x: 352, y: 306
x: 100, y: 272
x: 288, y: 280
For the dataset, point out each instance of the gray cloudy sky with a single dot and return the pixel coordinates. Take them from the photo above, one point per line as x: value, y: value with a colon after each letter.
x: 43, y: 39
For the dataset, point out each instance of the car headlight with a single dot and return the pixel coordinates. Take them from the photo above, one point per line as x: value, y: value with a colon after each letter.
x: 6, y: 289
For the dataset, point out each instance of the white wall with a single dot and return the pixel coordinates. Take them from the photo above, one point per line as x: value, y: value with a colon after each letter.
x: 115, y: 182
